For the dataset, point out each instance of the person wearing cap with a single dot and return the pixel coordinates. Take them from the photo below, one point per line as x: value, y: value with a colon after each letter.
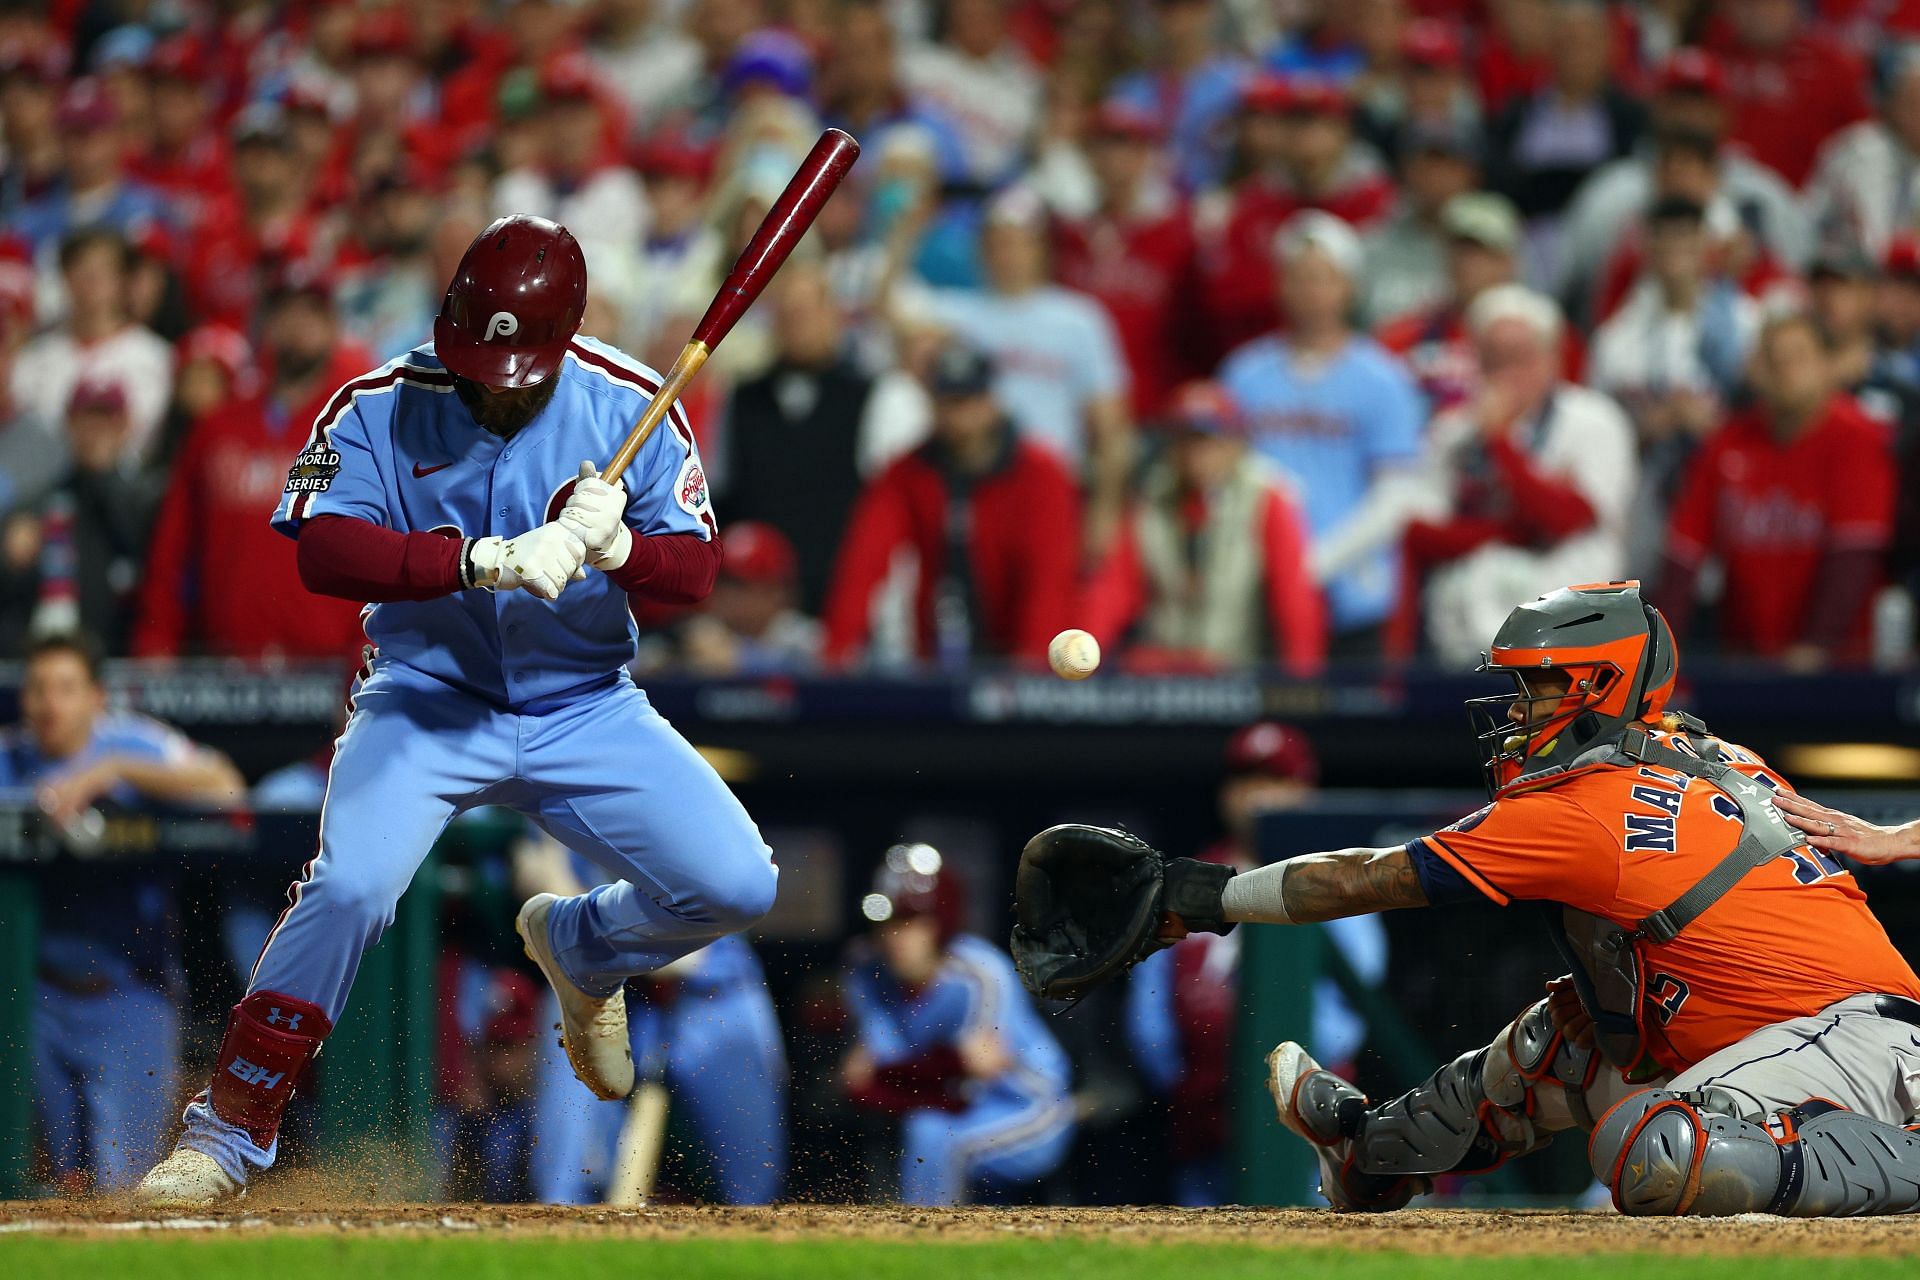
x: 185, y: 157
x: 99, y: 340
x: 388, y: 286
x: 1794, y: 499
x: 1864, y: 184
x: 268, y: 224
x: 966, y: 549
x: 976, y: 75
x: 1060, y: 374
x: 1543, y: 144
x: 801, y: 440
x: 1407, y: 253
x: 1482, y: 232
x: 31, y: 80
x: 1183, y: 1003
x: 1675, y: 353
x: 750, y: 625
x: 1429, y: 90
x: 644, y: 57
x: 574, y: 180
x: 1198, y: 77
x: 947, y: 1039
x: 93, y: 190
x: 1339, y: 416
x: 861, y: 91
x: 1211, y: 562
x: 1134, y: 254
x: 1689, y: 102
x: 1533, y: 479
x: 217, y: 578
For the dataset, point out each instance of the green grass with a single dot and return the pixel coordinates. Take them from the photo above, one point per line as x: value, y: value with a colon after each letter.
x: 432, y: 1257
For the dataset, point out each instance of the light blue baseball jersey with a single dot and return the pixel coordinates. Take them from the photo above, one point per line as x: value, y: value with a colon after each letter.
x: 397, y: 448
x: 1333, y: 427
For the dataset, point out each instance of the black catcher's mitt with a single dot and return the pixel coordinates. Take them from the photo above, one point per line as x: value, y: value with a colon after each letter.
x: 1088, y: 903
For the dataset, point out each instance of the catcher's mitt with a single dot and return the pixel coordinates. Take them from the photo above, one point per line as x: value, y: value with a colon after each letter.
x: 1088, y: 902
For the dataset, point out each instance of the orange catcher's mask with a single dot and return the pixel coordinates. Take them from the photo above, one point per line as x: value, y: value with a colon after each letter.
x: 1586, y: 662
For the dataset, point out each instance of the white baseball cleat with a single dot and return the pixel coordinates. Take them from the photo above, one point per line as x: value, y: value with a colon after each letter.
x: 593, y: 1030
x: 187, y: 1179
x: 1326, y: 1111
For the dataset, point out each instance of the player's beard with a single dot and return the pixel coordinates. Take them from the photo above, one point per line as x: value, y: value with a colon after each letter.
x: 504, y: 412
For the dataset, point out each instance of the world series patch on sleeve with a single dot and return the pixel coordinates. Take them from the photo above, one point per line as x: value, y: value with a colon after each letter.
x: 313, y: 471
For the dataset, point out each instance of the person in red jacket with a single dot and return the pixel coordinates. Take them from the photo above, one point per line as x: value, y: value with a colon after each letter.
x: 218, y: 579
x: 1211, y: 562
x: 1791, y: 87
x: 1795, y: 499
x: 975, y: 536
x: 1134, y: 255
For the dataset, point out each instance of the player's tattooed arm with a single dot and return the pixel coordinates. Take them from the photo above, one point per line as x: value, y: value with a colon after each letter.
x: 1325, y: 886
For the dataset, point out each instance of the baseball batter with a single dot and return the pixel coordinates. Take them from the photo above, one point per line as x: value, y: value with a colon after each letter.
x: 1738, y: 1034
x: 448, y: 488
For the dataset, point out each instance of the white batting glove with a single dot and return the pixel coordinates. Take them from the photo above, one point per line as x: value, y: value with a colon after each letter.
x: 541, y: 561
x: 595, y: 513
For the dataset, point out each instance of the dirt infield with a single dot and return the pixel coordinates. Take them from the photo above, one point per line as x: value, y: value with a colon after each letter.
x: 1428, y: 1231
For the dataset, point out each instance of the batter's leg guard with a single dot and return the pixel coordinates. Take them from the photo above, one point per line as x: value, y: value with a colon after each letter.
x: 270, y: 1041
x: 1671, y: 1153
x: 1484, y: 1107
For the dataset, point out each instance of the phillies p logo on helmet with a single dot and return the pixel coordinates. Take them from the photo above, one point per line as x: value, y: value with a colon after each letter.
x: 503, y: 324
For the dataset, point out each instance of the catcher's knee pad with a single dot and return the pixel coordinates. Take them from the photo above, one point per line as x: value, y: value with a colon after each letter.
x: 1484, y: 1107
x: 1667, y: 1153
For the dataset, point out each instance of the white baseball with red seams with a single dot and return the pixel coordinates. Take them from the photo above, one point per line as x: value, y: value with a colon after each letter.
x: 1073, y: 654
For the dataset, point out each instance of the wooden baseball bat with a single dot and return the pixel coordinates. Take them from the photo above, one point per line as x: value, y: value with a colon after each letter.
x: 819, y: 174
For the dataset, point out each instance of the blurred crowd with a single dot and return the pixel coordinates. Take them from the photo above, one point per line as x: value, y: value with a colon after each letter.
x: 1236, y: 331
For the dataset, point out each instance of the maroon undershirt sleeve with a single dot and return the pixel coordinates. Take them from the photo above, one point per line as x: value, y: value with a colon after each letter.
x: 670, y: 568
x: 356, y: 559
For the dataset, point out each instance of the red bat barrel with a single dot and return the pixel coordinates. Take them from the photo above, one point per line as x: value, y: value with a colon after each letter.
x: 812, y: 185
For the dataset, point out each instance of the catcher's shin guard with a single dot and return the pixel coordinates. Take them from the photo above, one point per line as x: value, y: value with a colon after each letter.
x: 1484, y: 1107
x: 1671, y: 1153
x: 270, y: 1040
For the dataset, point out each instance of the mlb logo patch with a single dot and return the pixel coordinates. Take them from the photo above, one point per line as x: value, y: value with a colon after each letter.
x: 691, y: 487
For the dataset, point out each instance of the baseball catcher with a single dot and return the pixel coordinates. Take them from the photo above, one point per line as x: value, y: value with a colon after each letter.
x: 1737, y: 1034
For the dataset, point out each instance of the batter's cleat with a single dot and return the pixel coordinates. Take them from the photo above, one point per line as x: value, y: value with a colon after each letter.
x: 1327, y: 1112
x: 592, y: 1030
x: 187, y: 1179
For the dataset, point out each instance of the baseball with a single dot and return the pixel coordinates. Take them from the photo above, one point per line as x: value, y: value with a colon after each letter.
x: 1074, y: 654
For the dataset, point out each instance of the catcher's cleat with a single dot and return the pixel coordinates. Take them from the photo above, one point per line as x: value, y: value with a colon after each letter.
x: 187, y: 1179
x: 592, y: 1030
x: 1327, y: 1111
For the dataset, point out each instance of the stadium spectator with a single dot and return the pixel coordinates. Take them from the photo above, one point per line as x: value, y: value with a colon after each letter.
x: 33, y: 450
x: 1544, y: 143
x: 861, y: 90
x: 798, y: 442
x: 185, y: 155
x: 1134, y: 255
x: 1690, y: 103
x: 30, y: 83
x: 1865, y: 188
x: 1407, y: 254
x: 644, y: 56
x: 1896, y: 311
x: 751, y: 624
x: 1342, y: 418
x: 109, y: 948
x: 1791, y: 87
x: 1535, y: 475
x: 1319, y: 42
x: 93, y: 191
x: 1794, y: 500
x: 98, y: 342
x: 1482, y: 233
x: 965, y: 548
x: 389, y: 291
x: 1192, y: 82
x: 1431, y: 90
x: 79, y: 558
x: 266, y: 227
x: 1183, y: 1003
x: 218, y: 580
x: 977, y: 76
x: 1211, y: 562
x: 946, y: 1039
x: 1059, y: 372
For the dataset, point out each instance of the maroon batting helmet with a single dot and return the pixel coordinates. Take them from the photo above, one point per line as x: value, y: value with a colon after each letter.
x: 913, y: 882
x: 514, y: 303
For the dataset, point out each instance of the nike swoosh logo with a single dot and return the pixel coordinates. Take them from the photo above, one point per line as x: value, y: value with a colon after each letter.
x: 421, y: 473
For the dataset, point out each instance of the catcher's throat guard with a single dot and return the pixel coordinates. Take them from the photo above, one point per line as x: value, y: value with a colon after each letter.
x: 1088, y: 902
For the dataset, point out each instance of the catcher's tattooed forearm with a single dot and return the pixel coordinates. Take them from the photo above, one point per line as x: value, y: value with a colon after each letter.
x: 1325, y: 886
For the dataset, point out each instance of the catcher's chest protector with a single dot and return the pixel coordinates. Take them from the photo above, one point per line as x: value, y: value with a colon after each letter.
x: 1603, y: 956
